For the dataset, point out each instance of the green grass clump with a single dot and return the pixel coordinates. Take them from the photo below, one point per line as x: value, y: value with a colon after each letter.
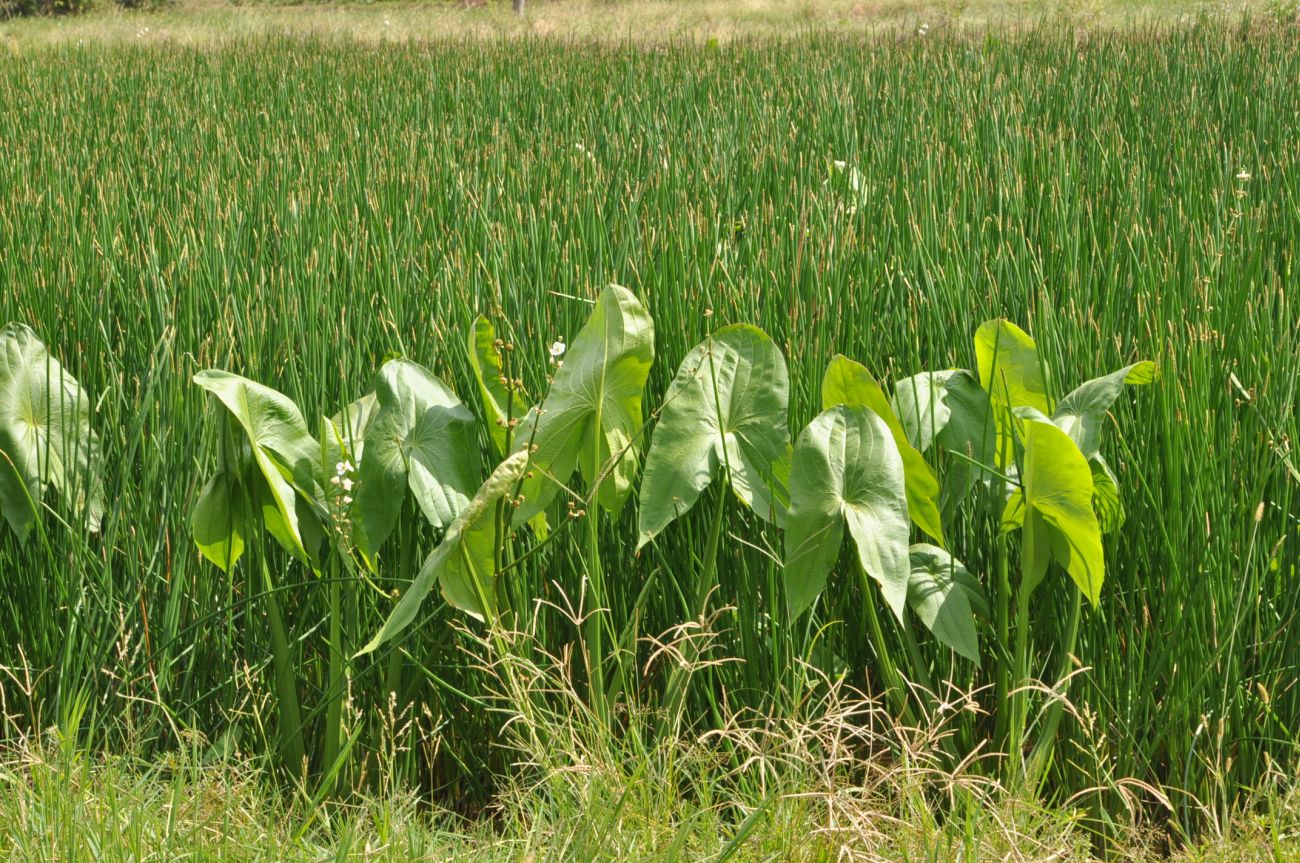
x: 295, y: 212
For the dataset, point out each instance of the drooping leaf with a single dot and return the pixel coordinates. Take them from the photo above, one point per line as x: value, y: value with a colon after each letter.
x: 1081, y: 412
x: 849, y: 383
x: 846, y: 472
x: 464, y: 562
x: 727, y: 406
x: 1058, y: 492
x: 45, y: 435
x: 591, y: 419
x: 218, y: 520
x: 946, y: 597
x: 283, y: 450
x: 503, y: 403
x: 422, y: 438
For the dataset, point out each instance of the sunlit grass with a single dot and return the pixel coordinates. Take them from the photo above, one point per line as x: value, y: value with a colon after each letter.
x: 296, y: 211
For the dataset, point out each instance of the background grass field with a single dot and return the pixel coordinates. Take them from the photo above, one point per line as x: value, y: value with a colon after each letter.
x: 204, y: 22
x: 294, y: 210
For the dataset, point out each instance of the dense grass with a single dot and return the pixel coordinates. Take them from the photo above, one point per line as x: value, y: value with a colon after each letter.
x: 296, y: 211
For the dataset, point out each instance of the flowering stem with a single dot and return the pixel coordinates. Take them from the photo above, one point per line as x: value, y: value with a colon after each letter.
x: 337, y: 670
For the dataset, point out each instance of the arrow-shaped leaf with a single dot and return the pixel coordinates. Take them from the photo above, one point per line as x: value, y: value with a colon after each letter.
x: 946, y: 597
x: 1058, y: 492
x: 592, y: 416
x: 421, y: 437
x: 846, y: 472
x: 846, y: 383
x: 726, y: 406
x: 282, y: 449
x: 45, y: 434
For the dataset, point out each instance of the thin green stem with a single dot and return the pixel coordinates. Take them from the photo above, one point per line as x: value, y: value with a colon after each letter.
x: 1040, y: 757
x: 895, y: 687
x: 1002, y: 590
x: 679, y: 680
x: 292, y: 750
x: 337, y: 670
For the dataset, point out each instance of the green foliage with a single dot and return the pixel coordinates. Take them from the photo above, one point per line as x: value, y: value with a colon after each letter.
x: 504, y: 402
x: 45, y: 435
x: 283, y: 455
x: 465, y: 562
x: 849, y: 383
x: 157, y: 222
x: 725, y: 409
x: 846, y: 473
x: 423, y: 438
x: 591, y: 418
x: 946, y: 597
x: 1060, y: 523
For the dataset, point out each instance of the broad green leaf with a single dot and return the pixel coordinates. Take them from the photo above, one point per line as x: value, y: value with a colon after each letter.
x: 1081, y: 412
x: 218, y: 520
x: 1009, y: 366
x: 591, y: 418
x: 282, y: 449
x: 846, y: 472
x: 726, y: 406
x: 945, y: 596
x: 1012, y: 374
x: 45, y: 434
x: 1058, y: 491
x: 464, y: 562
x: 502, y: 402
x: 422, y: 438
x: 849, y: 383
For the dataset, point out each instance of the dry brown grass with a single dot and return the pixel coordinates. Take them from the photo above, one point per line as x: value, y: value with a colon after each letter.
x: 208, y: 22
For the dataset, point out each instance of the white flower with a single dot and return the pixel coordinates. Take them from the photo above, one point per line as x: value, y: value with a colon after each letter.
x: 334, y: 480
x: 557, y: 350
x: 346, y: 500
x: 1243, y: 176
x: 347, y: 485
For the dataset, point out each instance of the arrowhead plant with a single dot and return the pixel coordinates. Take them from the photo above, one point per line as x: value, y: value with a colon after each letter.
x: 45, y: 436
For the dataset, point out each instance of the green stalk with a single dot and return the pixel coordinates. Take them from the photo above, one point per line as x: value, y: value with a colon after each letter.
x: 1002, y: 585
x: 920, y: 673
x: 292, y: 750
x: 594, y: 625
x: 1019, y: 702
x: 895, y: 688
x: 1040, y: 757
x: 678, y: 682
